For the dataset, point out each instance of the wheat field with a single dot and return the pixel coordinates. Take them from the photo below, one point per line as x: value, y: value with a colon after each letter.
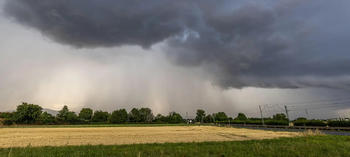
x: 35, y: 137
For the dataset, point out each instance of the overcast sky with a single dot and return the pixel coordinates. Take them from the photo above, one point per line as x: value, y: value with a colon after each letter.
x: 229, y: 55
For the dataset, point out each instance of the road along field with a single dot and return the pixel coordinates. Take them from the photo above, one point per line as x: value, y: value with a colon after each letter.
x: 35, y: 137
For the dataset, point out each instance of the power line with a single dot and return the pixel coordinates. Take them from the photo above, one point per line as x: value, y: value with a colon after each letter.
x: 330, y: 103
x: 316, y: 101
x: 310, y: 109
x: 330, y: 106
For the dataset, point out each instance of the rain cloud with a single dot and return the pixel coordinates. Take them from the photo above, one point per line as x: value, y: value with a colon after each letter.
x: 243, y: 43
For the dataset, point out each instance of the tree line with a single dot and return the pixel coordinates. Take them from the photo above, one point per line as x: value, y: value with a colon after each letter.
x: 33, y: 114
x: 241, y: 118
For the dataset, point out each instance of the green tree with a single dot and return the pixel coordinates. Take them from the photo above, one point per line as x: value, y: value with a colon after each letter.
x: 200, y: 115
x: 7, y: 115
x: 160, y: 119
x: 134, y: 115
x: 208, y: 119
x: 27, y: 113
x: 66, y: 116
x: 86, y: 114
x: 62, y: 114
x: 220, y: 116
x: 7, y: 122
x: 100, y: 116
x: 119, y: 116
x: 72, y: 118
x: 46, y: 118
x: 280, y: 116
x: 174, y: 117
x: 241, y: 116
x: 146, y: 115
x: 301, y: 119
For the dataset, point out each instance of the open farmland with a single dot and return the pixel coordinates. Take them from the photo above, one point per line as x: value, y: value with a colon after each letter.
x: 305, y: 146
x: 36, y: 137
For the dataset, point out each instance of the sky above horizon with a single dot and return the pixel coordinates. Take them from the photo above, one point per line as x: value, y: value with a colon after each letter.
x: 229, y: 55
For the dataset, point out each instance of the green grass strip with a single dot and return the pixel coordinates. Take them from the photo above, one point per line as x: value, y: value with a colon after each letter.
x: 95, y: 125
x: 317, y: 146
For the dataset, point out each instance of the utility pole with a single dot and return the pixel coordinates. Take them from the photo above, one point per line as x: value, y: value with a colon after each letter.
x: 262, y: 118
x: 188, y: 121
x: 285, y: 107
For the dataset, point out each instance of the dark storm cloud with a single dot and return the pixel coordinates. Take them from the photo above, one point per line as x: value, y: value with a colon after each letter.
x: 283, y: 44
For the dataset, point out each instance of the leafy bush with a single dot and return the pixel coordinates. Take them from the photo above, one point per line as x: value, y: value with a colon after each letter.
x: 316, y: 123
x: 301, y: 119
x: 280, y: 117
x: 251, y: 122
x: 339, y: 123
x: 248, y: 122
x: 276, y: 122
x: 7, y: 122
x: 254, y: 122
x: 6, y: 115
x: 238, y: 122
x: 259, y: 122
x: 300, y: 123
x: 303, y: 122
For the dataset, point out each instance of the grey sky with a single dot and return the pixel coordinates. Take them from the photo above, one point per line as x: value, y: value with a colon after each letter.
x: 181, y: 56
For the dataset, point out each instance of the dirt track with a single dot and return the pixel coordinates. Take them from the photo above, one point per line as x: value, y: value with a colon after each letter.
x: 22, y: 137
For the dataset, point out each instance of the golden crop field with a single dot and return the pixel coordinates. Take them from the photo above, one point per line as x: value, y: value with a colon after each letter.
x: 22, y: 137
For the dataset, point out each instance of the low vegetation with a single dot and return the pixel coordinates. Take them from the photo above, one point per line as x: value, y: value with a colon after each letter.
x: 309, y: 146
x: 306, y: 122
x: 33, y: 114
x: 339, y: 123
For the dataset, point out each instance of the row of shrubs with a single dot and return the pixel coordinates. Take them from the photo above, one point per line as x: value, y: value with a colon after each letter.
x: 330, y: 123
x: 309, y: 123
x: 257, y: 122
x: 339, y: 123
x: 321, y: 123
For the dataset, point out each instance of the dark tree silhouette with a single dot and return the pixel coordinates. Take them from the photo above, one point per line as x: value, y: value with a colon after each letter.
x: 27, y: 113
x: 200, y: 115
x: 119, y: 116
x: 86, y: 114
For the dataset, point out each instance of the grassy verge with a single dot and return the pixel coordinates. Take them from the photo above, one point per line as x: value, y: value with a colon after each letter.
x: 316, y: 146
x: 95, y: 125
